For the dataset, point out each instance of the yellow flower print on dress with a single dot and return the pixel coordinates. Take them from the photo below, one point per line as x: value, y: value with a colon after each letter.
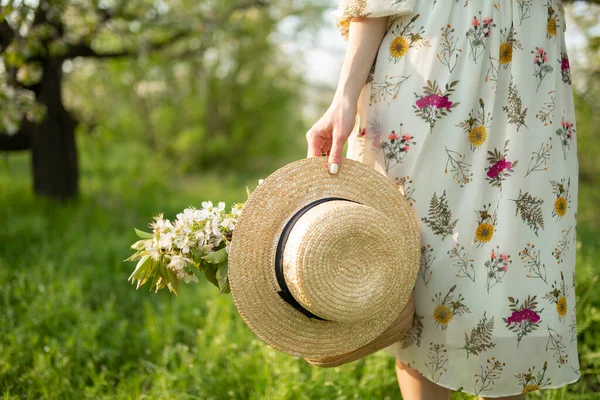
x: 552, y: 24
x: 447, y: 307
x: 558, y: 296
x: 406, y: 37
x: 532, y: 381
x: 508, y: 44
x: 486, y: 224
x: 561, y: 203
x: 477, y: 126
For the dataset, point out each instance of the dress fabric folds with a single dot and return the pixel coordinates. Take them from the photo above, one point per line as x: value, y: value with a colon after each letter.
x: 469, y: 110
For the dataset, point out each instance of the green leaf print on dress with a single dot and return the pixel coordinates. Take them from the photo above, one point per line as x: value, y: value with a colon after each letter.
x: 440, y: 216
x: 530, y: 210
x: 514, y: 109
x: 480, y: 339
x: 415, y: 333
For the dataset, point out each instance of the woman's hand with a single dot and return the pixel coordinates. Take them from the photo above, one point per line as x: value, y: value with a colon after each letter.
x: 331, y: 132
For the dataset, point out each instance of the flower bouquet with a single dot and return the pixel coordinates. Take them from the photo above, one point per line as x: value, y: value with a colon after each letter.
x: 197, y: 240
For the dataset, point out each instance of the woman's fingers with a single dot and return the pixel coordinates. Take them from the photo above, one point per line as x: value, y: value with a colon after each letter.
x: 314, y: 147
x: 335, y: 156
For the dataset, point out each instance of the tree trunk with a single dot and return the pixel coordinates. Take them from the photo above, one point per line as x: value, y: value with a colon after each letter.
x: 54, y: 152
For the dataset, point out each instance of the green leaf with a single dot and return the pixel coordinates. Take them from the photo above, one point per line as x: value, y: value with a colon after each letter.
x: 216, y: 257
x: 222, y: 276
x: 142, y: 234
x: 141, y: 267
x: 210, y: 271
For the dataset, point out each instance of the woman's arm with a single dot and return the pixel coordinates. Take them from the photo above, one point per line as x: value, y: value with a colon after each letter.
x: 331, y: 132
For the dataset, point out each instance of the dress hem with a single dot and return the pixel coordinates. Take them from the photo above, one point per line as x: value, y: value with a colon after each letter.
x: 489, y: 395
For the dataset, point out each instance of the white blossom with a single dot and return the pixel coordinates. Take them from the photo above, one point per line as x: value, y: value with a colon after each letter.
x: 165, y: 240
x: 228, y: 223
x: 178, y: 263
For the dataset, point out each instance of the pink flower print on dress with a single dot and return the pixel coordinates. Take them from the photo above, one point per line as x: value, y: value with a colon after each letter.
x: 524, y: 317
x: 500, y: 167
x: 478, y: 34
x: 434, y: 104
x: 565, y: 68
x: 395, y: 148
x: 541, y: 68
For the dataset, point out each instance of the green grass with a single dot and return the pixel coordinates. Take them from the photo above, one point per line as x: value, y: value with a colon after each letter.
x: 72, y: 327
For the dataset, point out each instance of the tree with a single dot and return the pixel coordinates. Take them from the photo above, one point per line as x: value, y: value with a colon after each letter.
x: 37, y: 38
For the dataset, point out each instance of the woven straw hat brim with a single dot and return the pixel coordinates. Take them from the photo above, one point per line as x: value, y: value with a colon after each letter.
x: 251, y: 272
x: 397, y: 332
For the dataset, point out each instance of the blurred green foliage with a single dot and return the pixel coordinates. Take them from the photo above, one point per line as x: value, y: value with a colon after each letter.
x: 159, y: 134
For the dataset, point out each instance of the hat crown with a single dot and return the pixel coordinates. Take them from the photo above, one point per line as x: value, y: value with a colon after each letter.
x: 334, y: 261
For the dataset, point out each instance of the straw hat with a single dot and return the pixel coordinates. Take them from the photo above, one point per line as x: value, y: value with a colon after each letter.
x: 322, y: 265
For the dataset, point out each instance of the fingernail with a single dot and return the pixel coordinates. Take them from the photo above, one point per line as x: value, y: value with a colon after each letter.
x: 333, y: 168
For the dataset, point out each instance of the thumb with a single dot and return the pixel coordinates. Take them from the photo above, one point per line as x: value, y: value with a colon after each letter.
x: 335, y: 156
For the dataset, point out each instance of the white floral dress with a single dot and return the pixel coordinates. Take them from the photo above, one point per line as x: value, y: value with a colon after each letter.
x: 469, y: 110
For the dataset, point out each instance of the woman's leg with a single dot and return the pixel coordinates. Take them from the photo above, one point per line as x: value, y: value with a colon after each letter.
x: 414, y: 387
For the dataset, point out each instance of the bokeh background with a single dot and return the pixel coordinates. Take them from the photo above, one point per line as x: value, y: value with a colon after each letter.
x: 113, y: 111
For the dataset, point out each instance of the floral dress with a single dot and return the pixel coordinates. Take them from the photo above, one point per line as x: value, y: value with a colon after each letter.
x: 469, y: 110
